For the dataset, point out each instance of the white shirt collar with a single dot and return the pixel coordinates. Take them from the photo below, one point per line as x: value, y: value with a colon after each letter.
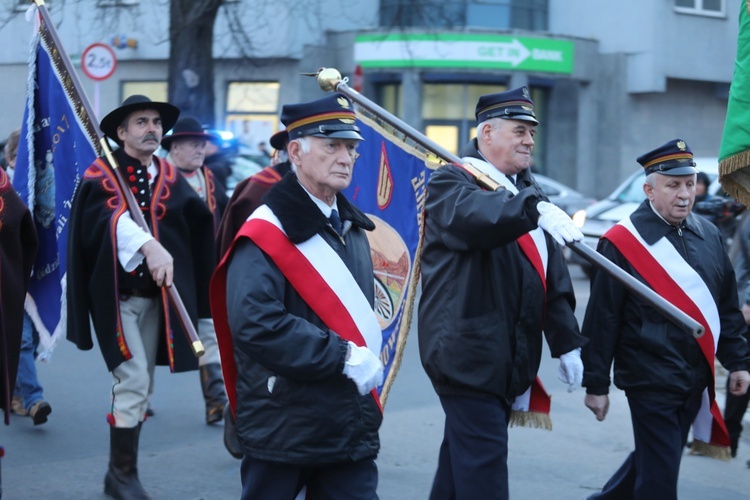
x: 322, y: 205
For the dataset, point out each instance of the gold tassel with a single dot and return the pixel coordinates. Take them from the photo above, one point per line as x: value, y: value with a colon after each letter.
x: 532, y: 419
x: 734, y: 175
x: 710, y: 450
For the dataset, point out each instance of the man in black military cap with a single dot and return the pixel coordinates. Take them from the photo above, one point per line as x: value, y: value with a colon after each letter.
x: 666, y: 373
x: 492, y: 279
x: 117, y: 273
x: 292, y: 302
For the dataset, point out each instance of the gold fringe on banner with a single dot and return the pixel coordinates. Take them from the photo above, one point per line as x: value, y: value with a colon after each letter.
x: 734, y: 175
x: 532, y: 419
x: 710, y: 450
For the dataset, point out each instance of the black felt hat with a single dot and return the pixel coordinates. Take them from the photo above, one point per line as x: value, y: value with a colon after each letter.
x: 133, y: 103
x: 515, y: 104
x: 331, y: 116
x: 186, y: 128
x: 279, y: 140
x: 672, y: 158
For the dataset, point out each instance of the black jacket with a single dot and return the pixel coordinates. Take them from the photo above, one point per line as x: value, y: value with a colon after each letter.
x: 650, y: 353
x: 294, y: 405
x: 483, y: 307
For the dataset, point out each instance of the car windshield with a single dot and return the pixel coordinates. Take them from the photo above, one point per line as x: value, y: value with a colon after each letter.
x: 633, y: 192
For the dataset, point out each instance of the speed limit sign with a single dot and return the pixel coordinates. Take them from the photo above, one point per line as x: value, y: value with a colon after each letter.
x: 98, y: 61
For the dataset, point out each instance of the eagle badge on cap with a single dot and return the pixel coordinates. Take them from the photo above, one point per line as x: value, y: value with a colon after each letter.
x: 526, y: 93
x: 681, y: 145
x: 343, y: 102
x: 347, y: 120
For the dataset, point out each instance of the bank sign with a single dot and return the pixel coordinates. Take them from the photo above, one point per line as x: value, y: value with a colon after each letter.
x: 446, y: 50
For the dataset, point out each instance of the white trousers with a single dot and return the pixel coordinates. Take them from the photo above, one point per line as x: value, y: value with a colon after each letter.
x: 141, y: 327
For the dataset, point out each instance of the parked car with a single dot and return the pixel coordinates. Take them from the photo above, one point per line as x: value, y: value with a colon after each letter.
x: 568, y: 199
x: 595, y: 220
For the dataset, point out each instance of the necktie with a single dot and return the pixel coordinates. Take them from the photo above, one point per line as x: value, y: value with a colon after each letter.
x: 510, y: 178
x: 335, y: 221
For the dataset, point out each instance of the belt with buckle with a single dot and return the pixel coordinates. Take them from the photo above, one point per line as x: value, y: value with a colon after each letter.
x: 126, y: 293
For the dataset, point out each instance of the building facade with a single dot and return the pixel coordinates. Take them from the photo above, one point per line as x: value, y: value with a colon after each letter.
x: 610, y: 79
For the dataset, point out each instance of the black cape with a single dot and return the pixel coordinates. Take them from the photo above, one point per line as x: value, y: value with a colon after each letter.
x: 182, y: 223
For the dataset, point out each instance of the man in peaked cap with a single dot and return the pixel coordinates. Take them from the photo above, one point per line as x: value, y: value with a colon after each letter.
x: 186, y: 145
x: 117, y: 273
x: 292, y: 300
x: 666, y: 373
x: 491, y: 280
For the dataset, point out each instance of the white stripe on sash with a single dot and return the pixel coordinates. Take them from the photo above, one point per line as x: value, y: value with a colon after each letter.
x: 685, y: 276
x: 338, y: 277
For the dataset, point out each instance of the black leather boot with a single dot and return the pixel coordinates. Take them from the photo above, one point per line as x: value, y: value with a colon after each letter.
x: 121, y: 481
x: 212, y: 384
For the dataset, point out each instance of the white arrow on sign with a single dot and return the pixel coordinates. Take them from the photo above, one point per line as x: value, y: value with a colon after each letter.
x: 514, y: 52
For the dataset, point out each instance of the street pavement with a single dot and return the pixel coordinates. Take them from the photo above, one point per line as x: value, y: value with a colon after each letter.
x: 183, y: 458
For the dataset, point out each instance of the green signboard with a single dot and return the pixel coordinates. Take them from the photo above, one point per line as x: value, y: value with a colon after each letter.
x: 464, y: 50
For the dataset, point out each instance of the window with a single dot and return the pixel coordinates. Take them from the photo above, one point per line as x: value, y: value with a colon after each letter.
x: 252, y: 111
x: 701, y: 7
x: 389, y: 97
x: 448, y: 111
x: 154, y: 90
x: 496, y: 14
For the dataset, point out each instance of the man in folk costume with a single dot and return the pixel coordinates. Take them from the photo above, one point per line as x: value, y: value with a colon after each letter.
x: 186, y: 145
x: 247, y: 196
x: 666, y: 373
x: 492, y: 281
x: 18, y: 246
x: 117, y: 273
x: 292, y: 300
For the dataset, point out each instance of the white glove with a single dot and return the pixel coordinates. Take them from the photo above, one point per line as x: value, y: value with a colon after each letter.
x: 557, y: 223
x: 570, y: 370
x: 364, y: 368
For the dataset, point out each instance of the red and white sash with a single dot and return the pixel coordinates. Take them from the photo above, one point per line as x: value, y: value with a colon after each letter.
x: 317, y: 274
x: 534, y: 246
x: 667, y: 272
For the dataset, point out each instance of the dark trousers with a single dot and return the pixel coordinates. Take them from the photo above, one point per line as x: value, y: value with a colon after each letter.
x: 473, y: 460
x: 734, y: 412
x: 262, y: 480
x: 660, y: 427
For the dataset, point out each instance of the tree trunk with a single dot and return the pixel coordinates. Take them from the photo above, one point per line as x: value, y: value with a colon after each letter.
x: 191, y: 68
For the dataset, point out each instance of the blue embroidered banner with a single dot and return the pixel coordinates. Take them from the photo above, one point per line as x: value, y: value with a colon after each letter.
x: 389, y: 185
x: 55, y: 148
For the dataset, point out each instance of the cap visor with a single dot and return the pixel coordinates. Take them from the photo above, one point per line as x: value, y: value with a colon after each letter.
x: 679, y: 171
x: 523, y: 118
x: 342, y: 134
